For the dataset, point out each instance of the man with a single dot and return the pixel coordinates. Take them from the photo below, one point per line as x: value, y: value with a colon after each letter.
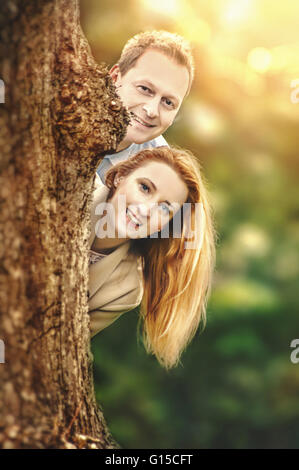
x: 152, y: 77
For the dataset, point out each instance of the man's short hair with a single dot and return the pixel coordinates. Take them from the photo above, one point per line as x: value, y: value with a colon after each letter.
x: 170, y: 44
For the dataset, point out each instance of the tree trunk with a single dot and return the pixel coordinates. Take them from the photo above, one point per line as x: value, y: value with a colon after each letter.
x: 60, y: 116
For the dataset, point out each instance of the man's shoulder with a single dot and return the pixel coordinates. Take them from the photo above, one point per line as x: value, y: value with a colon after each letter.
x: 135, y: 148
x: 114, y: 158
x: 157, y: 142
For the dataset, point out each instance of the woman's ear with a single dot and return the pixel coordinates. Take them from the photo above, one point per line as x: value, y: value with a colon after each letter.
x: 117, y: 180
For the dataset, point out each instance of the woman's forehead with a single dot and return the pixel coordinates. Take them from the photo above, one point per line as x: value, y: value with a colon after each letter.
x: 153, y: 167
x: 165, y: 179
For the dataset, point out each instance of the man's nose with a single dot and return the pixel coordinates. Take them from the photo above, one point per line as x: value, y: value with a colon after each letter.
x: 152, y: 108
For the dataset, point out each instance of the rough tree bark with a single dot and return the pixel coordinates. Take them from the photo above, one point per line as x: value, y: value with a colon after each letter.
x: 60, y: 115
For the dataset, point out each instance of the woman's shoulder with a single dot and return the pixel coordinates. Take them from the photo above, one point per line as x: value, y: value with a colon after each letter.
x: 120, y: 269
x: 121, y: 287
x: 130, y: 265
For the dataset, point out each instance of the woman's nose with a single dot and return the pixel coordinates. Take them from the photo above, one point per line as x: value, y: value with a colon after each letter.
x: 146, y: 209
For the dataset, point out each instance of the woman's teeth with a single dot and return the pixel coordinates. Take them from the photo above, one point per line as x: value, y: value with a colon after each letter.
x: 133, y: 219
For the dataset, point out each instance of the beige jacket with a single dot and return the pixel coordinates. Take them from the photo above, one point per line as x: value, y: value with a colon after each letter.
x: 115, y: 282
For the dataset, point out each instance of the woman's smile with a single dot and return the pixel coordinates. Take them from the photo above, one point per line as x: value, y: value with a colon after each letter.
x: 132, y: 219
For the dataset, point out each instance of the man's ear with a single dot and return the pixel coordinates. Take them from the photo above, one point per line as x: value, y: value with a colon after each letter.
x: 115, y: 74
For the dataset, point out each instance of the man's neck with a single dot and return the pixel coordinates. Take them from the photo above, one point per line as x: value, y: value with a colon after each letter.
x: 122, y: 146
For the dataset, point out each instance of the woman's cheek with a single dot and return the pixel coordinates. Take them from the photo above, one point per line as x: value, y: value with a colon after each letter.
x: 153, y: 225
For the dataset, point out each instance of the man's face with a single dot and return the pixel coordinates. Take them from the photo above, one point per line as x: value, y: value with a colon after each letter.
x: 152, y: 91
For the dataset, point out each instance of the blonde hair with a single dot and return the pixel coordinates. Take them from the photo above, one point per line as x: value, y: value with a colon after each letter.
x: 177, y: 281
x: 170, y: 44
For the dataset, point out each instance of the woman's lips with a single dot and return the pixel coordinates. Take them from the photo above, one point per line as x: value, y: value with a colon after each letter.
x: 131, y: 218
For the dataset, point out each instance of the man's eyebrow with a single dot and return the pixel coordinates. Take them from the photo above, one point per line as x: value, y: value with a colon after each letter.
x: 152, y: 85
x: 155, y: 188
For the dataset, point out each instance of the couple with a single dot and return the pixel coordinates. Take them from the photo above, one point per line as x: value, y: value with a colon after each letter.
x: 138, y: 264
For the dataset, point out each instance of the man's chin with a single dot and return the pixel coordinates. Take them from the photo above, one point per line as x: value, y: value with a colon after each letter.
x: 135, y: 138
x: 139, y: 137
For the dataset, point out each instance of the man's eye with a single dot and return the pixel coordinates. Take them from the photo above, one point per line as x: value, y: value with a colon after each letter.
x: 169, y: 103
x: 145, y: 188
x: 144, y: 89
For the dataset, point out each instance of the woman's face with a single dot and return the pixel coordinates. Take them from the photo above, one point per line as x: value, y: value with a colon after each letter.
x: 146, y: 199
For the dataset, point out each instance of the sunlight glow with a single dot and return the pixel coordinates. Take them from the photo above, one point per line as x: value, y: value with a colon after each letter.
x: 251, y: 240
x: 164, y: 7
x: 236, y: 11
x: 279, y: 58
x: 259, y: 59
x: 196, y: 31
x: 206, y: 123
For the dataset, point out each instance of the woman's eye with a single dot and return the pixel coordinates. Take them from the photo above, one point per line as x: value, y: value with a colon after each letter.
x: 165, y: 208
x: 145, y: 188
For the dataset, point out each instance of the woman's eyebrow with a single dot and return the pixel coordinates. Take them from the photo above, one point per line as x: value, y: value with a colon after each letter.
x: 154, y: 187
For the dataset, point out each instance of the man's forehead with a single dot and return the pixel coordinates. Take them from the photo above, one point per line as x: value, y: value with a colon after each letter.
x: 161, y: 71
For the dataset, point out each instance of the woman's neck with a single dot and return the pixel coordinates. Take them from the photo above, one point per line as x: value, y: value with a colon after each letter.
x: 103, y: 245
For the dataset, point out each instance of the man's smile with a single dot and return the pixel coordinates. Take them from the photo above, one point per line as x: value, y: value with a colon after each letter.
x: 140, y: 120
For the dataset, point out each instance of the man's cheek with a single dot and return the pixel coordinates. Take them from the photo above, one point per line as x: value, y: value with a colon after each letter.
x: 172, y: 120
x: 165, y: 123
x: 124, y: 96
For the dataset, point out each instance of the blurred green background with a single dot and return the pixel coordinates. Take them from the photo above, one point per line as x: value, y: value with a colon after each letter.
x: 236, y: 387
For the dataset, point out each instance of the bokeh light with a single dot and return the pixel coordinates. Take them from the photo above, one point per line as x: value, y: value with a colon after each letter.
x: 163, y: 7
x: 236, y: 11
x: 260, y: 59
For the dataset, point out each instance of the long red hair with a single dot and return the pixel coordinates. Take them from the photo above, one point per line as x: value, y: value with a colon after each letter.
x: 177, y: 279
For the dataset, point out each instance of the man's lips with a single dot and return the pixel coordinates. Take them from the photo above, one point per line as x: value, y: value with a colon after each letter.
x: 141, y: 121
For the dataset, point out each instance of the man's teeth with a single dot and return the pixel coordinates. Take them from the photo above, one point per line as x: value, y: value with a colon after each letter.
x: 140, y: 121
x: 133, y: 218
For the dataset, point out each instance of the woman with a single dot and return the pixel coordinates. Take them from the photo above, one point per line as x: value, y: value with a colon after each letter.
x: 132, y: 258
